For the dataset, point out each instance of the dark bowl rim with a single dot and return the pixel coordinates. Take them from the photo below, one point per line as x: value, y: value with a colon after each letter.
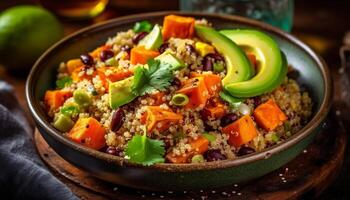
x: 317, y: 119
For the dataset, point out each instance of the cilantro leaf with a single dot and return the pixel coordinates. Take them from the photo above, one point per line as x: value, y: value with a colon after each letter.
x: 158, y: 76
x: 63, y: 82
x: 145, y: 151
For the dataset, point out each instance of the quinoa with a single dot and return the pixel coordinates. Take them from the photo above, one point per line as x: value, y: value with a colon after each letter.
x: 295, y: 104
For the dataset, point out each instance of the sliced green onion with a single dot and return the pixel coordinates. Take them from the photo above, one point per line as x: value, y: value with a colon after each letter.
x: 209, y: 137
x: 275, y: 138
x: 180, y: 99
x: 81, y: 97
x: 64, y: 82
x: 218, y: 67
x: 197, y: 158
x: 143, y: 26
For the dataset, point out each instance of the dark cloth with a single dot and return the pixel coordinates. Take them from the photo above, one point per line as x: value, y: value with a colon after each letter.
x: 22, y: 173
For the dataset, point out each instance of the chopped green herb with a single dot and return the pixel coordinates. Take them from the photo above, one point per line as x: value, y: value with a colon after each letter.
x: 111, y: 62
x: 145, y: 151
x: 64, y: 82
x: 158, y: 76
x: 209, y: 137
x: 143, y: 26
x: 275, y: 138
x: 70, y: 110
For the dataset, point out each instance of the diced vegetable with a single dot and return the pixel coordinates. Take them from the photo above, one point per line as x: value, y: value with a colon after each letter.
x: 70, y: 110
x: 145, y: 151
x: 140, y: 55
x: 275, y: 138
x: 197, y: 158
x: 55, y: 98
x: 218, y: 67
x: 233, y: 101
x: 159, y: 118
x: 88, y: 132
x: 167, y: 57
x: 64, y: 82
x: 158, y: 98
x: 120, y: 93
x: 198, y: 146
x: 153, y: 40
x: 209, y: 137
x: 216, y: 111
x: 212, y: 82
x: 73, y: 64
x: 203, y: 48
x: 269, y: 116
x: 178, y: 27
x: 112, y: 74
x: 82, y: 97
x: 63, y: 123
x: 197, y: 92
x: 252, y: 59
x: 143, y: 26
x: 180, y: 100
x: 96, y: 53
x: 241, y: 131
x: 111, y: 62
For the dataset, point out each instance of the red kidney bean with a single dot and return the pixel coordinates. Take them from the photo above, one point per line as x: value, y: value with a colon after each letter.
x: 87, y: 59
x: 257, y: 101
x: 163, y: 47
x: 210, y: 59
x: 106, y: 54
x: 245, y: 151
x: 176, y: 82
x: 228, y: 119
x: 214, y: 155
x: 117, y: 119
x: 113, y: 151
x: 138, y: 37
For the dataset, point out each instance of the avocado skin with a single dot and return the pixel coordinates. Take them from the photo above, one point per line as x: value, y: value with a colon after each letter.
x: 237, y: 64
x: 272, y: 68
x: 120, y: 93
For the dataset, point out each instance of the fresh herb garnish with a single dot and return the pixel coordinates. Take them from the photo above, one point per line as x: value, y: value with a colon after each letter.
x: 145, y: 151
x: 143, y: 26
x: 70, y: 110
x: 64, y: 82
x: 158, y: 76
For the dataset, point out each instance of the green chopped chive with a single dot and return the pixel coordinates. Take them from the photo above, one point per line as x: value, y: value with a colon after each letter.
x: 218, y: 67
x: 197, y: 158
x: 180, y: 99
x: 81, y: 97
x: 64, y: 82
x: 209, y: 137
x: 63, y: 123
x: 143, y: 26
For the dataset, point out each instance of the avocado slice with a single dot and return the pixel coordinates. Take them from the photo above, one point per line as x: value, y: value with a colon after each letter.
x: 120, y: 93
x: 272, y: 64
x: 237, y: 64
x: 153, y: 40
x: 169, y: 58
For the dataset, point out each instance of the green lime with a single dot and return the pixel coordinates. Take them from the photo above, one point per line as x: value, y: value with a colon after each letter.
x: 25, y: 33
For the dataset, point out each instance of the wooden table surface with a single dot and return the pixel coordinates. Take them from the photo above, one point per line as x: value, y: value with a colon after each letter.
x: 321, y: 24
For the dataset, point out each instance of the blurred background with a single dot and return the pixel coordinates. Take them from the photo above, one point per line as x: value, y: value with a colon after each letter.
x: 322, y: 24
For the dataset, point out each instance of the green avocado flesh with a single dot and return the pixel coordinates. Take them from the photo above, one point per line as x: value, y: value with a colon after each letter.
x: 169, y: 58
x: 120, y: 93
x: 154, y: 39
x: 237, y: 64
x: 271, y: 68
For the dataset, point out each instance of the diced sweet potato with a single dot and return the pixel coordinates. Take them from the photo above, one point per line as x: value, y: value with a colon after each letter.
x: 96, y: 53
x: 76, y: 74
x: 241, y: 131
x: 88, y: 132
x: 197, y: 92
x: 269, y: 116
x: 159, y: 118
x: 158, y: 98
x: 198, y: 146
x: 73, y: 64
x: 215, y: 111
x: 112, y: 74
x: 140, y: 55
x: 212, y: 82
x: 178, y: 27
x: 55, y: 98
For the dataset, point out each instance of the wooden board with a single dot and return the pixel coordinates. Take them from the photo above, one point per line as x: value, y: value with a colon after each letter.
x: 306, y: 176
